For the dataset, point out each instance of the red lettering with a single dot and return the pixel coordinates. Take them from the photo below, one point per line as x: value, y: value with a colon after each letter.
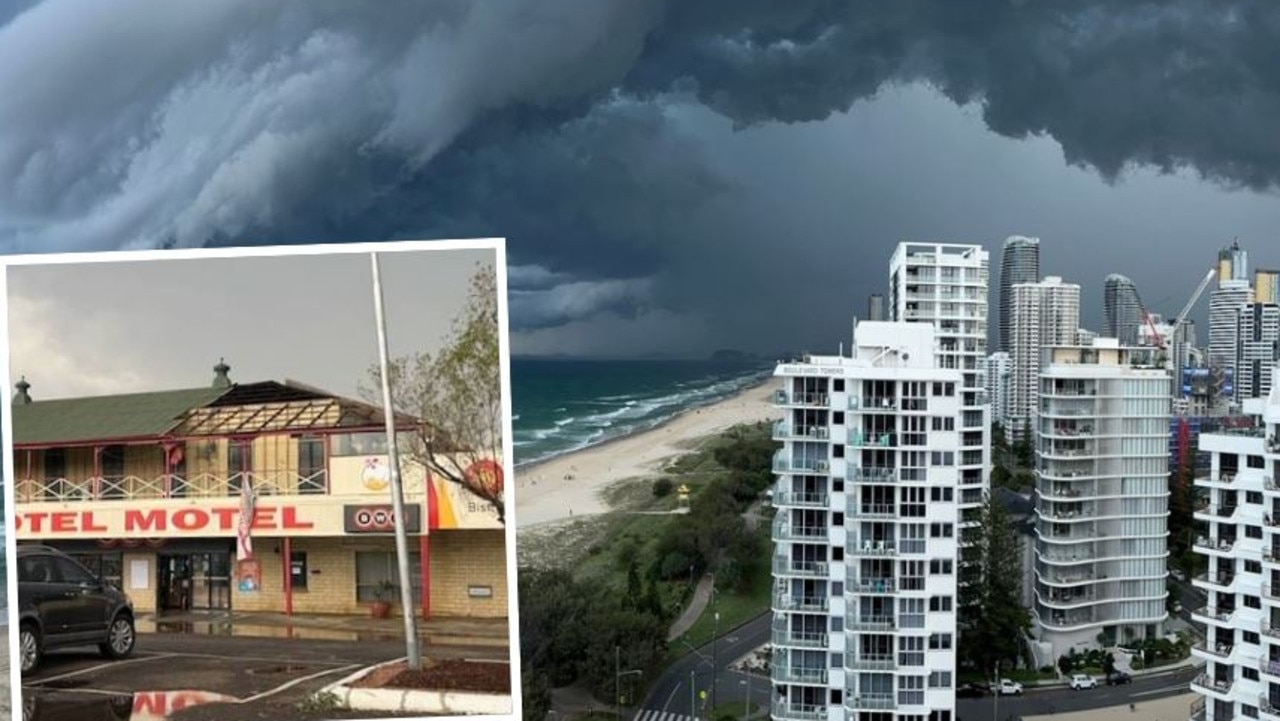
x: 134, y: 520
x: 17, y: 521
x: 289, y: 519
x: 150, y: 703
x: 36, y: 518
x: 87, y: 523
x: 226, y: 518
x: 190, y: 519
x: 64, y: 522
x: 264, y: 518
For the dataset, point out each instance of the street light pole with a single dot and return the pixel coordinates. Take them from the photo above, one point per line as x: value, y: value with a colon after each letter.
x: 715, y: 635
x: 397, y: 494
x: 693, y: 698
x: 995, y: 697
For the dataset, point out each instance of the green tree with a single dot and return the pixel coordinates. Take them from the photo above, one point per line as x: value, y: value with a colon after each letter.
x: 1024, y: 450
x: 634, y: 589
x: 997, y: 621
x: 535, y: 694
x: 457, y: 393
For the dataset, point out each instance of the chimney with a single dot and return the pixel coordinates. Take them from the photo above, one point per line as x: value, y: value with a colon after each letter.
x: 21, y: 397
x: 220, y: 377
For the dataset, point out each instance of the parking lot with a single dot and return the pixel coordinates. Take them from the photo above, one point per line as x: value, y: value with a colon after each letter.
x: 186, y: 677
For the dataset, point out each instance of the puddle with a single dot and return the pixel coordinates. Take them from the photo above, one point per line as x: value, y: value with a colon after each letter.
x: 269, y: 670
x: 141, y: 706
x: 248, y: 630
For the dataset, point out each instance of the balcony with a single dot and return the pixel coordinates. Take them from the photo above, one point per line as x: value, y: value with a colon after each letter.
x: 869, y: 623
x: 1221, y: 545
x: 871, y: 474
x: 784, y: 531
x: 856, y: 509
x: 783, y: 566
x: 1269, y: 630
x: 1204, y: 683
x: 173, y: 485
x: 798, y: 639
x: 800, y: 674
x: 858, y: 439
x: 787, y: 601
x: 1269, y: 592
x: 870, y: 702
x: 801, y: 500
x: 1210, y: 614
x: 871, y: 547
x: 870, y: 586
x: 1215, y: 511
x: 1219, y: 651
x: 1269, y: 667
x: 812, y: 399
x: 798, y: 712
x: 1221, y: 580
x: 784, y: 462
x: 869, y: 662
x: 783, y: 431
x: 873, y: 404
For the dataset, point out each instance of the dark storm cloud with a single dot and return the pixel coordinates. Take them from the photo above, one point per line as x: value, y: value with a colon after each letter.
x: 550, y: 123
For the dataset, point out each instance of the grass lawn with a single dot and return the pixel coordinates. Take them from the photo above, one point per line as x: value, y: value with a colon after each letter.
x: 736, y: 608
x: 735, y: 710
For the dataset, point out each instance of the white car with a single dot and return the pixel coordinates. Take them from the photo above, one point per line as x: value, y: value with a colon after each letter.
x: 1082, y: 681
x: 1009, y: 688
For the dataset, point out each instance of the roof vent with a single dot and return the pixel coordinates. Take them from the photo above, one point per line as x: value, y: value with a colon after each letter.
x: 22, y: 397
x: 220, y: 377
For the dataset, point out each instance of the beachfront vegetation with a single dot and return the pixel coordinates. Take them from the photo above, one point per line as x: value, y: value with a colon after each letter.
x: 458, y: 392
x: 995, y: 623
x: 620, y: 591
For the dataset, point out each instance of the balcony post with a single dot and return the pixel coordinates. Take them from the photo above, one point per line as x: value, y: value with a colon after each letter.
x: 167, y: 449
x: 97, y: 472
x: 286, y: 551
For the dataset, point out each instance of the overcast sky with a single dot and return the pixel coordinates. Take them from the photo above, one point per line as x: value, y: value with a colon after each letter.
x: 672, y: 177
x: 101, y: 328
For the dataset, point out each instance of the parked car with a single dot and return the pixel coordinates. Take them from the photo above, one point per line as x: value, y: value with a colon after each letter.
x: 1116, y: 678
x: 1082, y: 681
x: 1009, y: 688
x: 61, y: 604
x: 972, y: 690
x: 1178, y: 575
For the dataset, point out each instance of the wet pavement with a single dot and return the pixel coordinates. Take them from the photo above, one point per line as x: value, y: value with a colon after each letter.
x: 183, y: 676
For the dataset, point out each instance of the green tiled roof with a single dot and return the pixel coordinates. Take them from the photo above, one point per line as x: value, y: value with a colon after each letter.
x: 132, y: 415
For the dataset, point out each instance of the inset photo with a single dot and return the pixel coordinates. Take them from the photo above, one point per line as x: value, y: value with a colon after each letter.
x: 262, y: 483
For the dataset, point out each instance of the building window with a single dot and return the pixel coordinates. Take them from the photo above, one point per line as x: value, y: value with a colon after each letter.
x: 1247, y: 710
x: 1253, y: 531
x: 111, y: 459
x: 941, y: 494
x: 298, y: 569
x: 1253, y: 567
x: 1256, y: 462
x: 837, y: 418
x: 939, y: 603
x: 940, y: 567
x: 239, y: 462
x: 365, y: 444
x: 940, y: 679
x: 940, y: 641
x: 1254, y: 497
x: 941, y: 530
x: 837, y: 385
x: 1250, y: 637
x: 311, y: 465
x: 1252, y: 602
x: 106, y: 566
x: 1250, y: 673
x: 837, y: 451
x: 837, y: 519
x: 376, y: 568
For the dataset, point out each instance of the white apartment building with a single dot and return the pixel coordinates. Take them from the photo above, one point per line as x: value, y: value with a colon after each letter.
x: 1241, y: 649
x: 864, y: 623
x: 1102, y: 451
x: 999, y: 366
x: 1224, y: 319
x: 945, y: 284
x: 1019, y: 263
x: 1044, y: 315
x: 1257, y: 349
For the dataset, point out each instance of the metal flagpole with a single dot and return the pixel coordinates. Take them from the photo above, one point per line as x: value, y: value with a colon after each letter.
x: 397, y: 496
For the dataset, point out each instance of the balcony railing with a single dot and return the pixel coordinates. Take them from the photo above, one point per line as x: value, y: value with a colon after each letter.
x: 784, y: 462
x: 1223, y: 578
x: 198, y: 485
x: 798, y: 712
x: 784, y: 398
x: 783, y: 430
x: 869, y: 662
x: 783, y: 531
x: 872, y: 440
x: 873, y: 702
x: 801, y: 500
x: 869, y: 547
x: 800, y: 639
x: 864, y: 622
x: 871, y: 474
x: 1270, y: 667
x: 783, y: 566
x: 876, y: 403
x: 799, y: 674
x: 786, y: 601
x: 870, y: 585
x: 1222, y: 650
x: 1210, y: 544
x: 857, y: 509
x: 1211, y: 614
x: 1207, y: 682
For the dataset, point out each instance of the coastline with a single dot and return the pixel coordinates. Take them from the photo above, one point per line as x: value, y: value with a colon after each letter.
x: 569, y: 485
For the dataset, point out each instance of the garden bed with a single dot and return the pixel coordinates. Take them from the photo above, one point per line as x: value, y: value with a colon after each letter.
x: 448, y: 675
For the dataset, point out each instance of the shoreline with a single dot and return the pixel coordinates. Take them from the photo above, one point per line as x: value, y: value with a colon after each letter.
x: 527, y: 466
x: 569, y: 485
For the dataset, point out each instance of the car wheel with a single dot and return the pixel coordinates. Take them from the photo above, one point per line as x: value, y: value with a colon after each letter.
x: 29, y: 647
x: 120, y: 638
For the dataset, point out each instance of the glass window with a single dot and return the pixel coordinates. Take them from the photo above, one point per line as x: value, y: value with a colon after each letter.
x: 36, y: 569
x: 239, y: 462
x: 311, y: 465
x: 374, y: 568
x: 112, y: 460
x: 71, y: 572
x: 55, y: 464
x: 298, y: 569
x: 365, y: 444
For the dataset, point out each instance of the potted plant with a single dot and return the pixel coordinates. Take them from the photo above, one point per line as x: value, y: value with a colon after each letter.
x: 382, y: 594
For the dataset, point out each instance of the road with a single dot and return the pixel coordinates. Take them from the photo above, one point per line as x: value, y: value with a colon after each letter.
x: 195, y: 676
x: 670, y: 699
x: 1061, y: 699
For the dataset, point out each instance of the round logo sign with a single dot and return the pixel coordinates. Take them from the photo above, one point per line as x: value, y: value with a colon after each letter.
x: 376, y: 476
x: 375, y: 519
x: 485, y: 475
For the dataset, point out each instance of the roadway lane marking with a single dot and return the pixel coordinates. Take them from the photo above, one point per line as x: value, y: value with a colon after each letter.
x: 1161, y: 690
x: 98, y: 667
x: 666, y: 705
x: 650, y: 714
x: 296, y: 681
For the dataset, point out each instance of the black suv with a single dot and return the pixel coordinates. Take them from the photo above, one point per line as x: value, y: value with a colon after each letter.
x: 62, y: 604
x: 1116, y: 678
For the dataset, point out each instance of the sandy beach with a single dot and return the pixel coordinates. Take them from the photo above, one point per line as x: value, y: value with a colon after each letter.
x: 570, y: 485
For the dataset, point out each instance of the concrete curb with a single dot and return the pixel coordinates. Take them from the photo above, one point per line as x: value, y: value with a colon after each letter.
x: 415, y: 700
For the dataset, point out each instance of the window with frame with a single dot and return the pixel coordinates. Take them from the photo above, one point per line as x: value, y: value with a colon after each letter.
x: 239, y: 462
x: 911, y: 650
x: 837, y: 385
x: 941, y: 567
x: 939, y: 495
x: 941, y: 530
x: 1254, y: 497
x: 1250, y: 673
x: 1253, y: 567
x: 55, y: 464
x: 111, y: 463
x: 1255, y: 462
x: 940, y: 604
x: 944, y: 423
x: 312, y: 467
x: 1251, y: 601
x: 298, y: 570
x: 940, y: 641
x: 377, y: 570
x: 1253, y: 531
x: 1245, y: 709
x: 1250, y: 637
x: 940, y: 679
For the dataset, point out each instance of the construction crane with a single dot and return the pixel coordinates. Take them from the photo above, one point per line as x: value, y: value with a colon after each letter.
x: 1186, y: 309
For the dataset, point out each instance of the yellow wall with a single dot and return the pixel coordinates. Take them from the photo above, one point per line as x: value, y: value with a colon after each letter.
x: 144, y: 600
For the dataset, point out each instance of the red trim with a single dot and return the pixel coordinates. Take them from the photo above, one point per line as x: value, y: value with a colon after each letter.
x: 433, y: 507
x: 287, y: 552
x: 148, y: 440
x: 97, y: 471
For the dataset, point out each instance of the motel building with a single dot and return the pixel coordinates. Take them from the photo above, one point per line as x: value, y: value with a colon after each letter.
x: 152, y: 491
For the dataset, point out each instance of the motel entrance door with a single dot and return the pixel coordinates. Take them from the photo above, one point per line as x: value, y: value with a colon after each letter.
x: 195, y: 581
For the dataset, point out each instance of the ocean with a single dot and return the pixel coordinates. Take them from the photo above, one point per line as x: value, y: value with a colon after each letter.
x: 560, y: 405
